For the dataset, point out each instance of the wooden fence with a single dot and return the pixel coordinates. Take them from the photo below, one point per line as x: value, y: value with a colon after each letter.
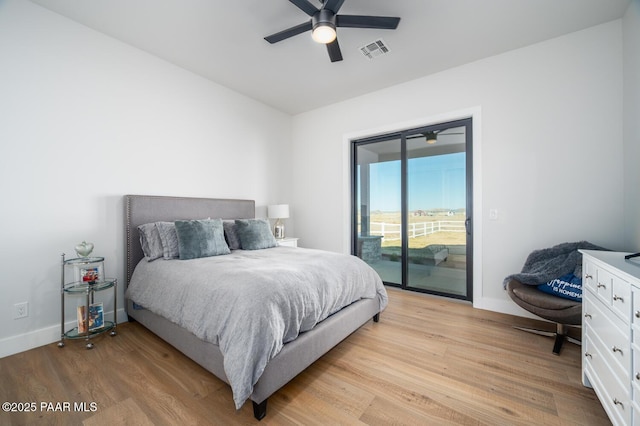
x: 392, y: 231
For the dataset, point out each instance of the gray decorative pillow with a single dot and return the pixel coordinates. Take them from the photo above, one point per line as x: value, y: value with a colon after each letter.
x: 200, y: 238
x: 231, y: 234
x: 169, y: 238
x: 255, y: 234
x: 150, y: 241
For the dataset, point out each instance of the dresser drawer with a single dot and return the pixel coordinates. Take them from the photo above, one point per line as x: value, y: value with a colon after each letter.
x: 613, y: 394
x: 589, y: 275
x: 621, y: 298
x: 636, y: 309
x: 635, y: 375
x: 603, y: 285
x: 611, y: 336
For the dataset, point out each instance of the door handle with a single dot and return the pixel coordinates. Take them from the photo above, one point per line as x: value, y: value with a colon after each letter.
x: 467, y: 225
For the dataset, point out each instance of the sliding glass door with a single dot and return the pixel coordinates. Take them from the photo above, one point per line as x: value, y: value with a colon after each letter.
x: 412, y: 207
x: 379, y: 207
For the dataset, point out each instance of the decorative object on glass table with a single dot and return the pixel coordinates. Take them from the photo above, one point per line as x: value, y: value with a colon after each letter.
x: 90, y: 275
x: 95, y: 317
x: 84, y: 249
x: 88, y: 270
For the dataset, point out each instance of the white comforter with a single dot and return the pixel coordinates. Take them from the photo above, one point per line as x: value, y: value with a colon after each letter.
x: 250, y: 303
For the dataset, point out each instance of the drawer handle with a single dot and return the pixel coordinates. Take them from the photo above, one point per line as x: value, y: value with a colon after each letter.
x: 588, y: 315
x: 637, y: 314
x: 587, y: 354
x: 600, y: 285
x: 616, y: 349
x: 587, y: 277
x: 618, y: 402
x: 616, y: 297
x: 637, y: 376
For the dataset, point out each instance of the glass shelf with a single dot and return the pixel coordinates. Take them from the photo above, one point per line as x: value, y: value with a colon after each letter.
x: 80, y: 287
x: 73, y: 333
x: 83, y: 260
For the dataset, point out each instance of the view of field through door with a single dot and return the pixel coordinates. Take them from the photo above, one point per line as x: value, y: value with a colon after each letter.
x: 412, y: 207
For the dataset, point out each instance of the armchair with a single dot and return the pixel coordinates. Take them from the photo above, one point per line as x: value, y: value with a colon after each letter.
x: 563, y: 312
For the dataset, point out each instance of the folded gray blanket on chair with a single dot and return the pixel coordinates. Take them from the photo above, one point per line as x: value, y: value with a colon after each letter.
x: 547, y: 264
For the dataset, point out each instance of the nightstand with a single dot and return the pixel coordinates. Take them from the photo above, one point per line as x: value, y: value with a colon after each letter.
x: 288, y: 242
x: 89, y: 280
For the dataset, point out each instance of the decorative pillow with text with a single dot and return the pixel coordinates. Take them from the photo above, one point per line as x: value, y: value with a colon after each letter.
x: 567, y: 286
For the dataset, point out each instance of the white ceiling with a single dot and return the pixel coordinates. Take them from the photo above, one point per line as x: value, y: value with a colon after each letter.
x: 223, y: 40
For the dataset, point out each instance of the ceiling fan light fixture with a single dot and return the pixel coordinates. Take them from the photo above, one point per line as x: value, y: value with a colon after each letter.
x: 323, y: 34
x: 323, y: 26
x: 431, y: 137
x: 324, y: 21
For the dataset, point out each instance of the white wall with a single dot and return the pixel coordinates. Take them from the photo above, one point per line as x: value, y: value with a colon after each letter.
x: 551, y: 149
x: 85, y: 119
x: 631, y: 33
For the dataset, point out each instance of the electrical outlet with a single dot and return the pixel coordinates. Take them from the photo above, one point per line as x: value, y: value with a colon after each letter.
x: 21, y: 310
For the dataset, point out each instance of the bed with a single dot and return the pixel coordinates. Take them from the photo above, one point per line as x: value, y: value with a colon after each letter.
x: 293, y: 356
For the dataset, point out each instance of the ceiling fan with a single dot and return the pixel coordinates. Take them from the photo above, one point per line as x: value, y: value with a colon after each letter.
x: 324, y: 21
x: 432, y: 137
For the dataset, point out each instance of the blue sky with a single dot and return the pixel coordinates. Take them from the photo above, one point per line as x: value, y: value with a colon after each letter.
x: 434, y: 182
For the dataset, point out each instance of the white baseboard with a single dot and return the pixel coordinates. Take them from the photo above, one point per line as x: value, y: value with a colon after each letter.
x: 44, y: 336
x: 503, y: 306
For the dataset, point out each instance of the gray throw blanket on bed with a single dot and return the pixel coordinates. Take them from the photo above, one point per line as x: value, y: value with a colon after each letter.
x: 547, y: 264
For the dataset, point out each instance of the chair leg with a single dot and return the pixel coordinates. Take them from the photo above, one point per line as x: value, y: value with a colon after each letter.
x: 560, y: 336
x: 535, y: 331
x: 557, y: 345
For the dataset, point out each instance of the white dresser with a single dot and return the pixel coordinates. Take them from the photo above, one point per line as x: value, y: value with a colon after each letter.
x: 611, y: 332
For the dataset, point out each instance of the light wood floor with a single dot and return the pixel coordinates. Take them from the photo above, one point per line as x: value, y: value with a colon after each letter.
x: 428, y: 361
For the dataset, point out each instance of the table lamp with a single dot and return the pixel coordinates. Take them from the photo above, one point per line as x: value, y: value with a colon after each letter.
x: 278, y: 212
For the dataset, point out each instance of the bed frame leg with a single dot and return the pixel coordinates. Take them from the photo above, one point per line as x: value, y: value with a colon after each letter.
x: 259, y: 410
x: 376, y: 317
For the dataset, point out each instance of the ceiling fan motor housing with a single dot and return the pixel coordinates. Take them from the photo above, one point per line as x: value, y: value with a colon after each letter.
x: 323, y: 17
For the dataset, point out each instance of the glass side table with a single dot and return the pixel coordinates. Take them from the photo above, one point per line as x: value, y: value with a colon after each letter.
x: 89, y: 279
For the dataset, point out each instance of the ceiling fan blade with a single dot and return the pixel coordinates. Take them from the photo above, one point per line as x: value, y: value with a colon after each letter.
x: 333, y: 5
x: 360, y: 21
x: 305, y: 6
x: 334, y: 51
x: 289, y: 32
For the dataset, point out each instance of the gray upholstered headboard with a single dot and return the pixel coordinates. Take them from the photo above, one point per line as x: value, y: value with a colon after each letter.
x: 141, y: 209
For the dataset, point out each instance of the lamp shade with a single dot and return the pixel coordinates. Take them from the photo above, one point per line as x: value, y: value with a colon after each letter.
x: 278, y: 211
x: 432, y: 137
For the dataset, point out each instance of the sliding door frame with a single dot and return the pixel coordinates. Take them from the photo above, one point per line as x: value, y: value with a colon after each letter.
x: 468, y: 124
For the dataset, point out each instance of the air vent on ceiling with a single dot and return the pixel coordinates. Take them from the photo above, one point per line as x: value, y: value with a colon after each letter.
x: 374, y: 49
